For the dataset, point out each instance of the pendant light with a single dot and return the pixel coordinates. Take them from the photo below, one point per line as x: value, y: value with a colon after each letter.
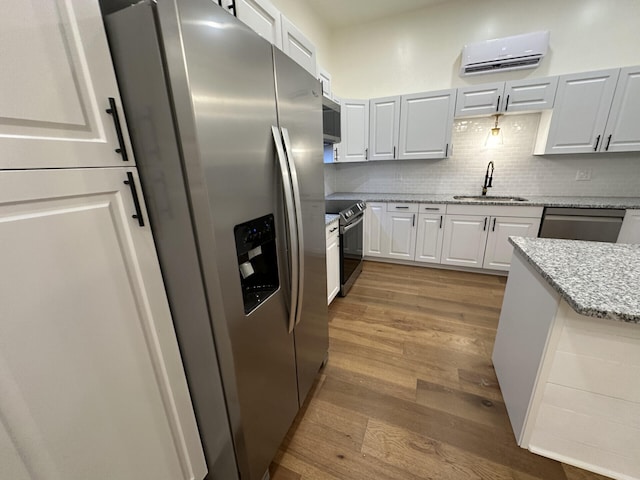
x: 495, y: 137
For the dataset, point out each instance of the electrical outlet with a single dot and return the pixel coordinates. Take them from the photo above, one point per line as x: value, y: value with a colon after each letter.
x: 583, y: 175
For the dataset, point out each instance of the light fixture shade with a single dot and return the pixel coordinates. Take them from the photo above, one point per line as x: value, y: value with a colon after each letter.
x: 495, y: 137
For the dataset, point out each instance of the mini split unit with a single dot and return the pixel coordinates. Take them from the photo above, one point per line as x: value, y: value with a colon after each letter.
x: 501, y: 54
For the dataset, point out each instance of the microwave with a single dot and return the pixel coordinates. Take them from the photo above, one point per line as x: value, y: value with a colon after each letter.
x: 330, y: 120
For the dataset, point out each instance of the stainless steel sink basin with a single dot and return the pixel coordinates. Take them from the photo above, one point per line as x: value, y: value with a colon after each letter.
x: 489, y: 198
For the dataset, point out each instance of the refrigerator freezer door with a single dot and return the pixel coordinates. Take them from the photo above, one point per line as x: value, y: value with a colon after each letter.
x: 300, y: 112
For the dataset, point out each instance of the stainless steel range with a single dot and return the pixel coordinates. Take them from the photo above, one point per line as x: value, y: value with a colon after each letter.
x: 351, y: 239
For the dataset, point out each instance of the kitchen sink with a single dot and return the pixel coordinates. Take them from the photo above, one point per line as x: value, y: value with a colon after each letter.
x: 488, y: 198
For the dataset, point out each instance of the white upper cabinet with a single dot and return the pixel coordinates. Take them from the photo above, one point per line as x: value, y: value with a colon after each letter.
x: 580, y: 112
x: 384, y: 128
x: 325, y: 81
x: 426, y: 121
x: 506, y: 97
x: 57, y: 80
x: 479, y: 100
x: 622, y: 133
x: 529, y: 95
x: 298, y: 46
x: 90, y: 373
x: 262, y: 17
x: 354, y: 120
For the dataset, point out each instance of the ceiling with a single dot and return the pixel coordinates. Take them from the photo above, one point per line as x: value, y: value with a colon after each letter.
x: 342, y: 13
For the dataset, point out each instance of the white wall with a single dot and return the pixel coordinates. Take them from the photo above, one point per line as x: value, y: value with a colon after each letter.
x: 420, y: 50
x: 517, y: 172
x: 312, y: 25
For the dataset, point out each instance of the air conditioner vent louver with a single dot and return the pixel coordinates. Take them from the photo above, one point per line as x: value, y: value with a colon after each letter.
x: 502, y: 54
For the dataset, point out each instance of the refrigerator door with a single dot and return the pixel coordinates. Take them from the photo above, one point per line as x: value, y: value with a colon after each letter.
x: 300, y: 118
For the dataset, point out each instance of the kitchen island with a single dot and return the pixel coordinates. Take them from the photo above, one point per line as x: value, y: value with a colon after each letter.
x: 567, y: 352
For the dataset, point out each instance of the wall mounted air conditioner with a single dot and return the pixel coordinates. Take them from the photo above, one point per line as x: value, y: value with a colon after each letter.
x: 501, y: 54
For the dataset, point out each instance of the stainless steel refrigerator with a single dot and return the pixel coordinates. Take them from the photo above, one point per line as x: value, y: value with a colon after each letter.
x: 227, y: 133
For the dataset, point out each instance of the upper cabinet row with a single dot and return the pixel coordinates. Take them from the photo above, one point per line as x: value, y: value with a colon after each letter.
x: 267, y: 21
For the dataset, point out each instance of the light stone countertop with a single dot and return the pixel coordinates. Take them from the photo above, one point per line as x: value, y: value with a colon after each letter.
x: 597, y: 279
x: 544, y: 201
x: 329, y: 218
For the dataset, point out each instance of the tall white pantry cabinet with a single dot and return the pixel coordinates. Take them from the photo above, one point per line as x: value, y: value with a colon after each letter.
x: 91, y: 380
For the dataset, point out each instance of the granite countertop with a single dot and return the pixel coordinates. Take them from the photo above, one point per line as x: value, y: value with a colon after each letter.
x: 329, y: 218
x: 597, y: 279
x: 535, y: 201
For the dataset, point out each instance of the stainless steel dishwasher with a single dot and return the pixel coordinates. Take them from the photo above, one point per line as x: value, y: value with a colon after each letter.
x: 595, y: 224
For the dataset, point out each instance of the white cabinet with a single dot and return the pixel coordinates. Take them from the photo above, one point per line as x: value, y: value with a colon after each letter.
x: 465, y: 237
x: 90, y: 372
x: 298, y: 46
x: 333, y: 261
x: 426, y: 121
x: 262, y: 17
x: 375, y: 238
x: 325, y: 80
x: 499, y: 251
x: 580, y: 112
x: 507, y: 97
x: 630, y: 231
x: 354, y: 120
x: 622, y: 133
x: 57, y: 81
x: 400, y: 225
x: 429, y: 238
x: 384, y: 128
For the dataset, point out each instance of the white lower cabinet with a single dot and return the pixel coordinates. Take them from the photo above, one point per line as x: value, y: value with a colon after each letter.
x: 475, y: 236
x: 333, y: 261
x: 90, y: 372
x: 498, y: 253
x: 630, y: 231
x: 375, y: 238
x: 465, y: 237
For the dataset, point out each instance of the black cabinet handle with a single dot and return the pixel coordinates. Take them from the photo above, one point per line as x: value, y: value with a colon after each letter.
x: 608, y: 143
x: 498, y: 104
x: 401, y: 208
x: 485, y: 224
x: 446, y: 151
x: 413, y: 222
x: 136, y: 203
x: 335, y: 154
x: 440, y: 221
x: 232, y: 6
x: 493, y: 228
x: 595, y: 149
x: 113, y: 111
x: 366, y: 154
x: 506, y: 104
x: 394, y: 151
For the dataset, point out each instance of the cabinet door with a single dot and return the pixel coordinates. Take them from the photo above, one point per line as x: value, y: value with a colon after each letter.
x: 262, y: 17
x: 622, y: 133
x: 479, y: 100
x: 384, y: 128
x: 298, y: 47
x: 401, y: 228
x: 333, y: 263
x: 56, y: 82
x: 529, y: 95
x: 429, y: 239
x: 90, y: 373
x: 325, y: 81
x: 580, y: 112
x: 498, y: 253
x: 354, y: 120
x: 465, y: 237
x: 630, y: 231
x: 426, y: 121
x: 375, y: 238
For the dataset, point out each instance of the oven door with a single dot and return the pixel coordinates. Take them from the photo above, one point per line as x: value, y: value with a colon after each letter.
x: 351, y: 253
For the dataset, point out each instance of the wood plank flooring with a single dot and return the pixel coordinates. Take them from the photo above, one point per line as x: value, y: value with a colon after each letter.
x: 409, y: 391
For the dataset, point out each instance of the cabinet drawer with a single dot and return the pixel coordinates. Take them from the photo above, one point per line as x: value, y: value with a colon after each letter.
x: 332, y: 230
x: 402, y: 207
x: 432, y: 208
x: 495, y: 210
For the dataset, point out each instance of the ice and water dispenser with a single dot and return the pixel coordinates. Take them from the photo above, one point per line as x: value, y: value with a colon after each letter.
x: 257, y: 260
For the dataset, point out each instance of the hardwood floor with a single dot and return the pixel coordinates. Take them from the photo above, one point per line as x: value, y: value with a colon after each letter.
x: 409, y: 391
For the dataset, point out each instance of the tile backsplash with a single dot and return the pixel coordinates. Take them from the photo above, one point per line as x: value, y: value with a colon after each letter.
x: 517, y: 171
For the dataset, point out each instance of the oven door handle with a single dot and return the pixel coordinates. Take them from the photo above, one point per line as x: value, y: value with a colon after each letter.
x: 344, y: 230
